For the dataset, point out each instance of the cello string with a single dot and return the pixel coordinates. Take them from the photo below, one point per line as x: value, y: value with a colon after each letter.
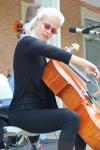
x: 83, y: 76
x: 97, y: 84
x: 76, y: 46
x: 88, y: 81
x: 94, y: 101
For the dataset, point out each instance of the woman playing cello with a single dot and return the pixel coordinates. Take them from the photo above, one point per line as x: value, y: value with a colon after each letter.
x: 34, y: 107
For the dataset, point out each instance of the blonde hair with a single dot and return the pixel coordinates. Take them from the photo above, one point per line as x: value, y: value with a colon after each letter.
x: 46, y: 13
x: 50, y: 12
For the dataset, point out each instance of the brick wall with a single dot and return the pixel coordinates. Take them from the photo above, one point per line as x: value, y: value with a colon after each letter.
x: 9, y: 11
x: 72, y: 12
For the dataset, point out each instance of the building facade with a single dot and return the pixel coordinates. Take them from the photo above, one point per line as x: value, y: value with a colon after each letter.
x: 78, y: 13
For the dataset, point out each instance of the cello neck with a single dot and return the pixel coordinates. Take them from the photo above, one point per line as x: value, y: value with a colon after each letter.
x: 83, y: 76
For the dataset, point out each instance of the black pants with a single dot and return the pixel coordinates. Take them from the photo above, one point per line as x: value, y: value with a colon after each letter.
x: 50, y: 120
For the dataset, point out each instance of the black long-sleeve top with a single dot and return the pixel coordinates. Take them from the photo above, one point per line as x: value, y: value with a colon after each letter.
x: 29, y: 63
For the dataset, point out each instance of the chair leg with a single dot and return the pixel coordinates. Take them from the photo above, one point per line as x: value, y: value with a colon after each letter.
x: 8, y: 143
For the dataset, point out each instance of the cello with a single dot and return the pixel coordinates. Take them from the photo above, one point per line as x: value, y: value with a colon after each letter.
x: 69, y: 84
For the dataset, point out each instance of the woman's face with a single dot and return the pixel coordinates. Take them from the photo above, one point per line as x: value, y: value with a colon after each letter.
x: 46, y: 28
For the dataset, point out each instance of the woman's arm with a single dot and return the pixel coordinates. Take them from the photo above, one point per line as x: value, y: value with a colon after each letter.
x: 32, y: 46
x: 89, y: 67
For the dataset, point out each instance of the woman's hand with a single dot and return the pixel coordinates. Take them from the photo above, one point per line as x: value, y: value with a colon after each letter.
x: 89, y: 67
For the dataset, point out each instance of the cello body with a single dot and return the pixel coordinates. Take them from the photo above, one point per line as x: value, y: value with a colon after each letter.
x: 70, y: 88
